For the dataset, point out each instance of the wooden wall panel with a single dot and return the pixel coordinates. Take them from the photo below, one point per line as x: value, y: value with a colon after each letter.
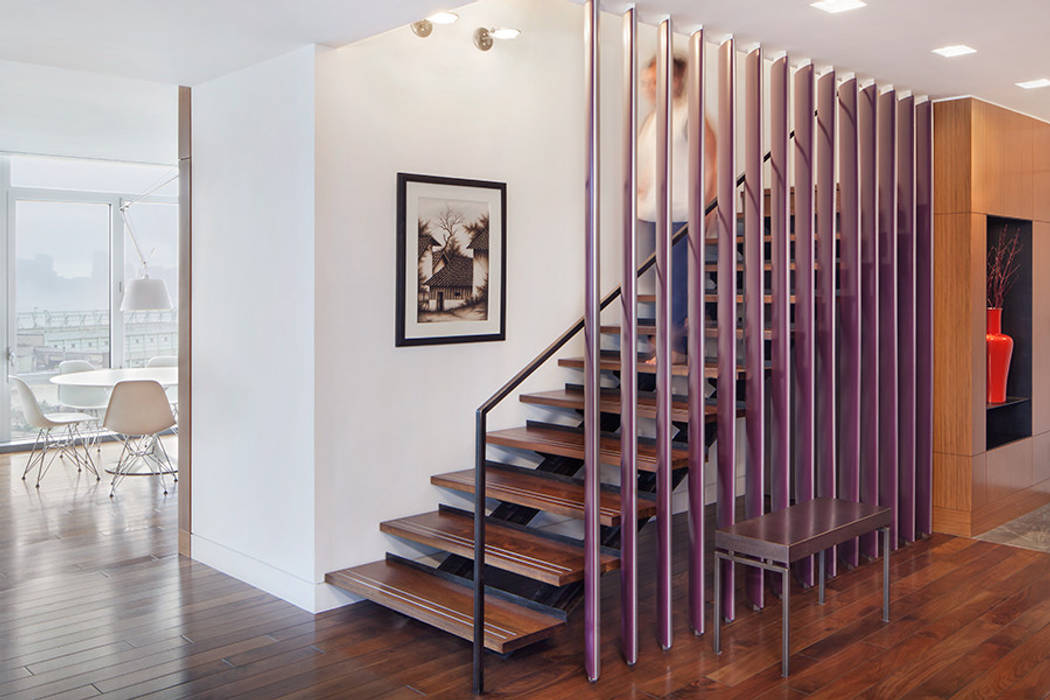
x: 1041, y: 175
x: 1041, y: 327
x: 952, y: 481
x: 1041, y: 458
x: 979, y: 489
x: 1003, y: 162
x: 959, y: 255
x: 952, y: 156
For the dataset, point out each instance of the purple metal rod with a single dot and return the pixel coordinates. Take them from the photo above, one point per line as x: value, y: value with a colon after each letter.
x: 697, y: 202
x: 924, y: 317
x: 629, y: 351
x: 827, y: 367
x: 849, y: 305
x: 664, y: 96
x: 869, y: 307
x: 592, y: 348
x: 888, y: 474
x: 754, y: 308
x: 726, y: 310
x: 805, y: 128
x: 906, y: 314
x: 780, y: 227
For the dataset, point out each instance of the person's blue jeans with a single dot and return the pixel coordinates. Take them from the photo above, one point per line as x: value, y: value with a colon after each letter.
x: 679, y: 280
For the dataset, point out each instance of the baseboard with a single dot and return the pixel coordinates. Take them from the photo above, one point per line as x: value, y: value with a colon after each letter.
x: 308, y: 595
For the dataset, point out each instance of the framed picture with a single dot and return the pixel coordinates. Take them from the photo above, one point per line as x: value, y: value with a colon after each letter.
x: 451, y: 260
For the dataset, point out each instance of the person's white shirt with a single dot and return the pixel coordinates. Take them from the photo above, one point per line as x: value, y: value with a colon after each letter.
x: 679, y: 165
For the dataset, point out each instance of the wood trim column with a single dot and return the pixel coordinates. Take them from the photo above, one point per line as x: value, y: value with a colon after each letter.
x: 185, y: 315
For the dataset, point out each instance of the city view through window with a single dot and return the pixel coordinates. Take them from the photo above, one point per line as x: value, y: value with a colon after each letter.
x: 72, y: 257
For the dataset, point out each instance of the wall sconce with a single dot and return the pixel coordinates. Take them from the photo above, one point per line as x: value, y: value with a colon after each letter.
x: 484, y: 37
x: 424, y: 27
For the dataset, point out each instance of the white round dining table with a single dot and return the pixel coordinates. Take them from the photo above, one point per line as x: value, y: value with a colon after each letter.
x: 108, y: 378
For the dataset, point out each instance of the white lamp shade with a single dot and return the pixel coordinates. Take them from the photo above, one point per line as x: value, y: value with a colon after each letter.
x: 145, y: 294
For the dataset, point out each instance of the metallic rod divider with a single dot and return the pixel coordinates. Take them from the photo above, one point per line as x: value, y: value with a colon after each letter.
x: 629, y: 351
x: 754, y: 308
x: 697, y: 194
x: 888, y: 399
x: 906, y: 314
x: 849, y: 308
x: 780, y: 230
x: 924, y: 317
x: 869, y: 306
x: 592, y: 352
x: 664, y: 116
x: 805, y: 128
x: 727, y: 286
x: 826, y: 286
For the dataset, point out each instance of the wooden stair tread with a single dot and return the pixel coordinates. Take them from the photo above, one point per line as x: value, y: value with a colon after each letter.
x: 612, y: 364
x: 610, y: 403
x: 446, y: 605
x: 536, y: 491
x: 567, y: 443
x: 712, y: 298
x: 644, y: 329
x: 508, y: 548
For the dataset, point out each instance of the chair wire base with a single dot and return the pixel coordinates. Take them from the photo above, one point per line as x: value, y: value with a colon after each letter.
x: 60, y: 442
x: 142, y: 455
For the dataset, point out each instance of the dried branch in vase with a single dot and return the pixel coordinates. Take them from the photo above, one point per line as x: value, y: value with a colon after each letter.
x: 1003, y: 265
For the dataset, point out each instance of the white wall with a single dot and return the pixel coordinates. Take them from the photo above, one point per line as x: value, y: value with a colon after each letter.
x: 53, y: 111
x: 388, y: 418
x: 253, y: 325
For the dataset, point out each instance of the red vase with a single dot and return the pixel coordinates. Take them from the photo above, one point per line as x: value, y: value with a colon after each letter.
x: 1000, y: 350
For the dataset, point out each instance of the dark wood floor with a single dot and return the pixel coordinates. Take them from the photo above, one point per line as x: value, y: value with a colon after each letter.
x: 94, y: 601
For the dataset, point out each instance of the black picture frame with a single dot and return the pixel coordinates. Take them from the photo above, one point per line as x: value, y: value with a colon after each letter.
x: 441, y: 314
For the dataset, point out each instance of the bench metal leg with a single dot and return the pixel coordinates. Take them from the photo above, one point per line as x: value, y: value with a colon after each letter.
x: 885, y: 574
x: 820, y: 559
x: 785, y: 597
x: 717, y: 603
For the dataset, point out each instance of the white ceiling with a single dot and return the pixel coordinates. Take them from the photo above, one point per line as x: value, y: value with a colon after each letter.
x: 891, y: 40
x: 190, y: 41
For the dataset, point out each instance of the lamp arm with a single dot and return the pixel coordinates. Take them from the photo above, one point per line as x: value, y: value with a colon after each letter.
x: 131, y: 234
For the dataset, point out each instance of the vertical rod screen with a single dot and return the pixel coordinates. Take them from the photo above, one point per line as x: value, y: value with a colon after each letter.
x: 629, y: 350
x: 869, y: 306
x: 726, y: 308
x: 780, y: 226
x: 887, y: 391
x: 592, y: 359
x: 697, y: 203
x: 805, y: 128
x: 664, y: 116
x: 924, y: 317
x: 754, y: 306
x: 906, y: 315
x: 849, y: 307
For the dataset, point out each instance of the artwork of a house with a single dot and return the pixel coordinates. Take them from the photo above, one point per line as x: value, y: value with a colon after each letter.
x: 452, y: 284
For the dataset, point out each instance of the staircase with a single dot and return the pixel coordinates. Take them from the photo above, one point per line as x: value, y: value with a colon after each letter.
x: 532, y: 576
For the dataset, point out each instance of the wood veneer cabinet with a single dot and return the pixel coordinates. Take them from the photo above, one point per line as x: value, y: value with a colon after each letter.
x: 988, y: 162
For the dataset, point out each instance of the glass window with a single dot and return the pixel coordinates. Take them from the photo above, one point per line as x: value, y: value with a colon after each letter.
x: 61, y: 294
x: 152, y: 333
x: 92, y: 175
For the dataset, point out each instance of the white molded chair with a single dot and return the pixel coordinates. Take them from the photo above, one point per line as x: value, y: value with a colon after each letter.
x: 56, y: 432
x: 171, y: 391
x: 86, y: 399
x: 138, y: 411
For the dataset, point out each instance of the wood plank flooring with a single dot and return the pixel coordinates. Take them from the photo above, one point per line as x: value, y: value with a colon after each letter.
x: 95, y: 602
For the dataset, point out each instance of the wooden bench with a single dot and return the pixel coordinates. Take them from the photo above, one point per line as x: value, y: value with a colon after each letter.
x: 776, y: 540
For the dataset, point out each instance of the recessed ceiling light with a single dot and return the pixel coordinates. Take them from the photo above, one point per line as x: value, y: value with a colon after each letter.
x: 955, y: 50
x: 1032, y: 84
x: 505, y: 33
x: 836, y: 6
x: 443, y: 17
